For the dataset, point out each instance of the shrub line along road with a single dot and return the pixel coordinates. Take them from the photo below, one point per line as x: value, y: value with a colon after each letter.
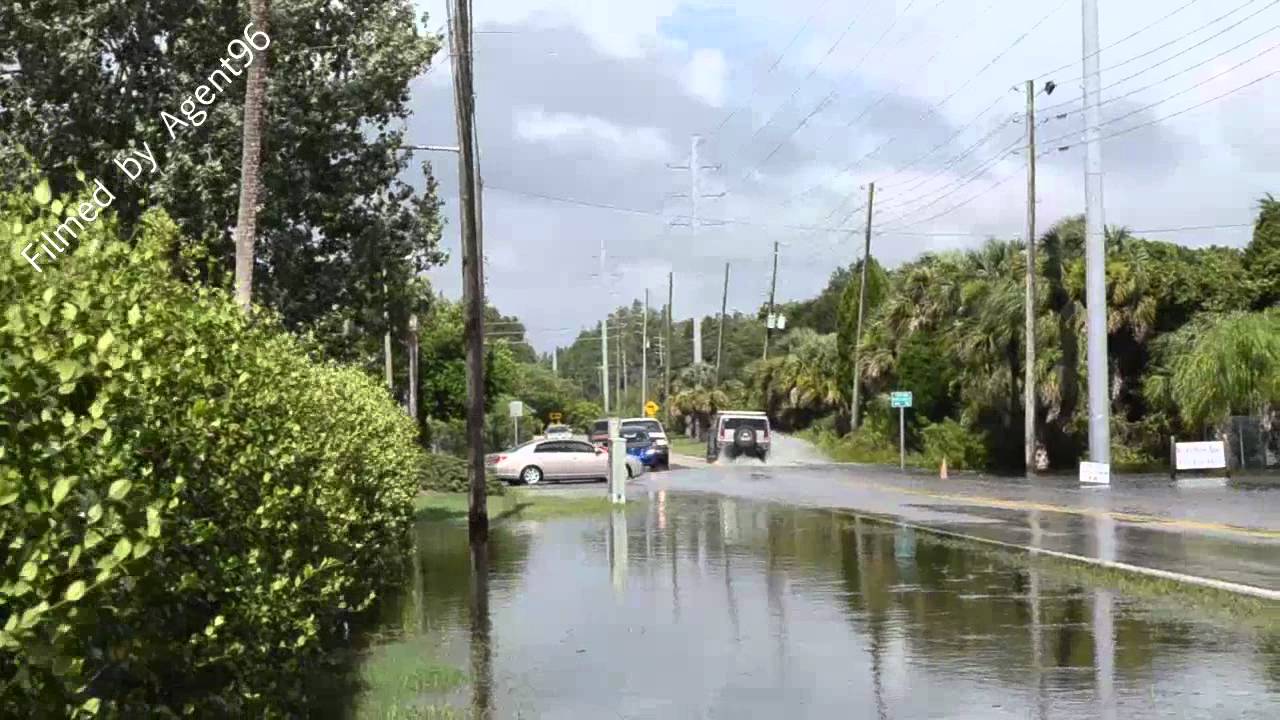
x: 1202, y: 532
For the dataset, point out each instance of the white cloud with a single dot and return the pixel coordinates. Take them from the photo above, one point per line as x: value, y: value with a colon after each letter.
x: 705, y: 75
x: 633, y: 143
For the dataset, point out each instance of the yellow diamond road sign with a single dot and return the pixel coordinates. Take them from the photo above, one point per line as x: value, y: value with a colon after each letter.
x: 651, y: 408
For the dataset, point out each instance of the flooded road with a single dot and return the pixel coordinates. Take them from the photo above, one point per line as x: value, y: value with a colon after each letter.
x: 696, y: 606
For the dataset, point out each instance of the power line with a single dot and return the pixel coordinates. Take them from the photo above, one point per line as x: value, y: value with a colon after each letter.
x: 1167, y: 78
x: 1168, y: 98
x: 1164, y: 45
x: 1126, y: 38
x: 777, y: 61
x: 832, y: 96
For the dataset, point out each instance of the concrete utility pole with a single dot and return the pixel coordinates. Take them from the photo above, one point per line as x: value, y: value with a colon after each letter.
x: 604, y: 362
x: 555, y: 369
x: 386, y: 336
x: 855, y: 406
x: 666, y: 353
x: 724, y: 303
x: 413, y: 367
x: 1029, y: 380
x: 1095, y: 246
x: 773, y: 286
x: 621, y: 382
x: 697, y: 339
x: 644, y: 354
x: 472, y: 269
x: 695, y: 193
x: 604, y: 337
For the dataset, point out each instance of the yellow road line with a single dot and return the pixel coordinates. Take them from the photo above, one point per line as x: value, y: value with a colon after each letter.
x: 1047, y: 507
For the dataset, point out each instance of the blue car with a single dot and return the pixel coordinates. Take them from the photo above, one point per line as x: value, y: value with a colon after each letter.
x: 641, y: 447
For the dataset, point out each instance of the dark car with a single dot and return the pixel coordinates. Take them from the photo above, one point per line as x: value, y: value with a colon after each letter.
x: 660, y: 458
x: 599, y: 434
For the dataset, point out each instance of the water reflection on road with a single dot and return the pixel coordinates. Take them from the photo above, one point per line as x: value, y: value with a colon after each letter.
x: 713, y: 607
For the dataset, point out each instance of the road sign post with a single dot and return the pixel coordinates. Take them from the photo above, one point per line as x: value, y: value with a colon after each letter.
x: 901, y: 399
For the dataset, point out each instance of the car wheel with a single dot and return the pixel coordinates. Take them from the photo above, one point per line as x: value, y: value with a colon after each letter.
x: 531, y: 475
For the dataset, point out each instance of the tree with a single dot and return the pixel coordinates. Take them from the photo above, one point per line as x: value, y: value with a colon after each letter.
x: 1262, y: 255
x: 338, y: 215
x: 1219, y: 365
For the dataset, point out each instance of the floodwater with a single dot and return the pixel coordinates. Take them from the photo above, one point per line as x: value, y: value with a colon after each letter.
x: 695, y: 606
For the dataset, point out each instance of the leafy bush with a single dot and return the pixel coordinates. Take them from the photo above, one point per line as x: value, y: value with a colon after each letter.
x: 964, y: 449
x: 446, y: 473
x: 190, y: 506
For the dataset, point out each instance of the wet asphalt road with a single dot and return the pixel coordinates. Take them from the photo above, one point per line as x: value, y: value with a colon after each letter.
x: 1200, y: 527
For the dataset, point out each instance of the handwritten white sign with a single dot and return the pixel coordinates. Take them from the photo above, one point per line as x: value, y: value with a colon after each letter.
x: 1200, y: 455
x: 1095, y: 473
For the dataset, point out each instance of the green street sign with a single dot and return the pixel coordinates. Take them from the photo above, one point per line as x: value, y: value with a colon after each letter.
x: 900, y: 399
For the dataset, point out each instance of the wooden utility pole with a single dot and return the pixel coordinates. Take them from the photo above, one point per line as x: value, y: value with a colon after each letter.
x: 854, y: 407
x: 644, y: 354
x: 666, y: 353
x: 1029, y: 379
x: 413, y: 368
x: 773, y: 286
x: 724, y: 304
x: 472, y: 268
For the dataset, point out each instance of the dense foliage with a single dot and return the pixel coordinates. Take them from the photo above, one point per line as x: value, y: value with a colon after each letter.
x: 447, y: 473
x: 191, y: 507
x: 341, y: 238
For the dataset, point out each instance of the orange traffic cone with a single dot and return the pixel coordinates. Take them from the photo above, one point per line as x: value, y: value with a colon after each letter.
x: 942, y: 472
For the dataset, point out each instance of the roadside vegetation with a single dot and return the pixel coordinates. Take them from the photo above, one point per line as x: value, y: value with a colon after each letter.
x: 195, y: 504
x: 1193, y: 335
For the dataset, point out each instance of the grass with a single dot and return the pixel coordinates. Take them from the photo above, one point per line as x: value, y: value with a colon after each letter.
x: 687, y: 446
x: 398, y: 675
x: 517, y: 503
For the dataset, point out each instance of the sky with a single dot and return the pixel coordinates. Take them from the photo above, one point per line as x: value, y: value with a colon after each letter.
x: 583, y: 106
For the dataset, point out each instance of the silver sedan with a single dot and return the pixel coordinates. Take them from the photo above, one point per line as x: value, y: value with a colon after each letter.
x: 540, y: 460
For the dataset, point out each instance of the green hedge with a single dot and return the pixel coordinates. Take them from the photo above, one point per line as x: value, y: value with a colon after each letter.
x: 446, y: 473
x: 190, y: 507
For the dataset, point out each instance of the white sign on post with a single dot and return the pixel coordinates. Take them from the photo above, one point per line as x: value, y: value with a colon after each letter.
x: 1210, y: 455
x: 516, y: 408
x: 1095, y: 473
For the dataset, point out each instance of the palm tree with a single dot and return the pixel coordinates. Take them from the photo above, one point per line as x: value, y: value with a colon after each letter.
x: 1219, y: 365
x: 255, y: 94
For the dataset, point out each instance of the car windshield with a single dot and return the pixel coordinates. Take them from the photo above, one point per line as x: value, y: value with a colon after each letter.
x: 648, y: 426
x: 557, y: 428
x: 600, y: 426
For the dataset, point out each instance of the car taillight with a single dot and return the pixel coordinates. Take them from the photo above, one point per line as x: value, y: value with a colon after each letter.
x: 495, y: 459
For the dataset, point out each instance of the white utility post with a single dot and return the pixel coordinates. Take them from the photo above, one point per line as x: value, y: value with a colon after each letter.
x: 644, y: 353
x: 604, y: 337
x: 617, y: 463
x: 697, y: 339
x: 1095, y: 247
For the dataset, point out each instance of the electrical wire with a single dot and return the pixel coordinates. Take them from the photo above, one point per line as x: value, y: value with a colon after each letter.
x: 1167, y: 78
x: 755, y: 89
x: 1182, y: 37
x: 1126, y: 38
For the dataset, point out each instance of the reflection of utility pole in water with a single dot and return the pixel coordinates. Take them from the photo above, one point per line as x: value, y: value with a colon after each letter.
x: 1104, y: 640
x: 1033, y: 595
x: 673, y: 541
x: 861, y: 549
x: 618, y: 549
x: 481, y: 641
x: 774, y: 583
x: 729, y: 533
